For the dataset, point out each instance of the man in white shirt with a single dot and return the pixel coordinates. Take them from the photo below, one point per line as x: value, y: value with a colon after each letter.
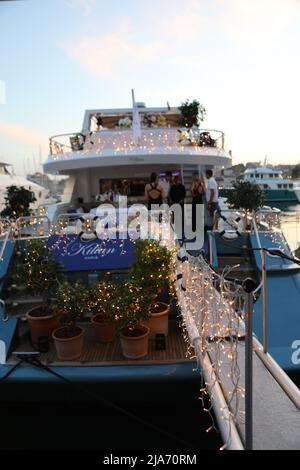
x: 211, y: 193
x: 165, y: 184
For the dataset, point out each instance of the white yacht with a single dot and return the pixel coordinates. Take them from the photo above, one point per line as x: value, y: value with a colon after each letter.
x: 275, y: 187
x: 106, y: 156
x: 8, y: 178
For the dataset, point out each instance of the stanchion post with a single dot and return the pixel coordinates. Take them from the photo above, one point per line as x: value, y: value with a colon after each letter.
x: 249, y: 286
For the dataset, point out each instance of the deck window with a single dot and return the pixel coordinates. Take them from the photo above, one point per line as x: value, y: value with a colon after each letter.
x: 266, y: 186
x: 271, y: 175
x: 285, y: 186
x: 279, y: 186
x: 127, y: 187
x: 276, y: 175
x: 290, y: 186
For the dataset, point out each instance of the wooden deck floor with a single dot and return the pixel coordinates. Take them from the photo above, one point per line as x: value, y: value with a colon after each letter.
x: 98, y: 354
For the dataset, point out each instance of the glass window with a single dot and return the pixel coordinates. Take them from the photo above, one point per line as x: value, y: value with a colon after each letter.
x: 251, y: 176
x: 276, y: 175
x: 290, y: 186
x: 257, y: 175
x: 266, y: 186
x: 271, y: 175
x: 285, y: 185
x: 279, y: 186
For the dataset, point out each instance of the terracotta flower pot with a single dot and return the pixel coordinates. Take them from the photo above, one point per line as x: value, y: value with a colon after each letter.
x: 68, y: 342
x: 41, y: 323
x: 134, y: 342
x: 103, y: 327
x: 159, y: 320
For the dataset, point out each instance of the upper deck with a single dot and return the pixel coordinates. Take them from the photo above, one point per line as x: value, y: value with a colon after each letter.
x: 108, y: 133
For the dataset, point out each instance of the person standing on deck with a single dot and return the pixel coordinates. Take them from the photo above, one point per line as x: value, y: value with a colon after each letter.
x: 165, y: 184
x: 212, y: 195
x: 154, y: 193
x: 177, y: 196
x: 197, y: 190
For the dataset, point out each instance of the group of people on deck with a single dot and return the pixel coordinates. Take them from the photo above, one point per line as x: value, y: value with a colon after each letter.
x: 170, y: 190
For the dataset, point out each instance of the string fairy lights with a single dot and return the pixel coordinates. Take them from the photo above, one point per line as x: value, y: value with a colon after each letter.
x: 212, y: 310
x: 120, y: 142
x: 216, y: 315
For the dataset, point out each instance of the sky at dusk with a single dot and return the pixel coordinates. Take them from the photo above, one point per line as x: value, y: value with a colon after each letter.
x: 239, y: 58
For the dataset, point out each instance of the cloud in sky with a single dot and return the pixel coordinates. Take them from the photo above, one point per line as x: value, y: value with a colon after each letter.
x: 257, y: 22
x: 22, y: 134
x: 251, y: 25
x: 103, y: 55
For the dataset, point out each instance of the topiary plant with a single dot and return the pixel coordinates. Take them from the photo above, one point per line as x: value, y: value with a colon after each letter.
x: 133, y: 305
x: 70, y: 303
x: 246, y: 196
x: 192, y: 113
x: 17, y: 202
x: 103, y: 297
x: 152, y: 267
x: 37, y: 270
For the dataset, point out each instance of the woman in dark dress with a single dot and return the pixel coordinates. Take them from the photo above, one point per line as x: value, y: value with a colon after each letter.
x: 177, y: 196
x: 153, y: 191
x: 197, y: 191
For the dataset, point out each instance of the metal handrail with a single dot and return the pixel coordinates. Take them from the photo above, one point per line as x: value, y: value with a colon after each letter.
x: 77, y: 217
x: 263, y: 284
x: 31, y: 218
x: 6, y: 237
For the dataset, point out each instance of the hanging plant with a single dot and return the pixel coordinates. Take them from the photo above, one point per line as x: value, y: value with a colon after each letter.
x: 150, y: 120
x: 125, y: 122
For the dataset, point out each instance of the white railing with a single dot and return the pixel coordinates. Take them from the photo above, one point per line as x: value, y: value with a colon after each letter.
x: 121, y: 141
x: 5, y: 231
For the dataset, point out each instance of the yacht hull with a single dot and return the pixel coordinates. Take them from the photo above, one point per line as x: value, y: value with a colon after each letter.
x: 274, y: 195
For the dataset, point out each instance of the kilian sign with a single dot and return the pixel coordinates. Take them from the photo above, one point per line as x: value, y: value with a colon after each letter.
x: 78, y: 254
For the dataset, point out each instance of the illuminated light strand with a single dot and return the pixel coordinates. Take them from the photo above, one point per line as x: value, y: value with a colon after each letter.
x: 216, y: 319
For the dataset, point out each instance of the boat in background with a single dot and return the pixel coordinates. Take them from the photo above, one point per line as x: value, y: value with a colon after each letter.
x: 8, y: 178
x: 275, y: 187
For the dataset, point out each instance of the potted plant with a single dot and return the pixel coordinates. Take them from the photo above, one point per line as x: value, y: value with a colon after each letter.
x: 70, y: 304
x: 103, y: 304
x: 39, y: 274
x: 17, y: 202
x: 133, y: 305
x: 246, y: 196
x: 151, y: 270
x: 192, y: 113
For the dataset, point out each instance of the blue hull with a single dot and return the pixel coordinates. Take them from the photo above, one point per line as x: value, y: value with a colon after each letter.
x: 280, y: 195
x: 134, y: 384
x: 272, y: 195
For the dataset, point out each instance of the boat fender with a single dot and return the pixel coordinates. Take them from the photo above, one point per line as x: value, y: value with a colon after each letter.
x: 236, y: 224
x: 87, y: 236
x: 182, y: 269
